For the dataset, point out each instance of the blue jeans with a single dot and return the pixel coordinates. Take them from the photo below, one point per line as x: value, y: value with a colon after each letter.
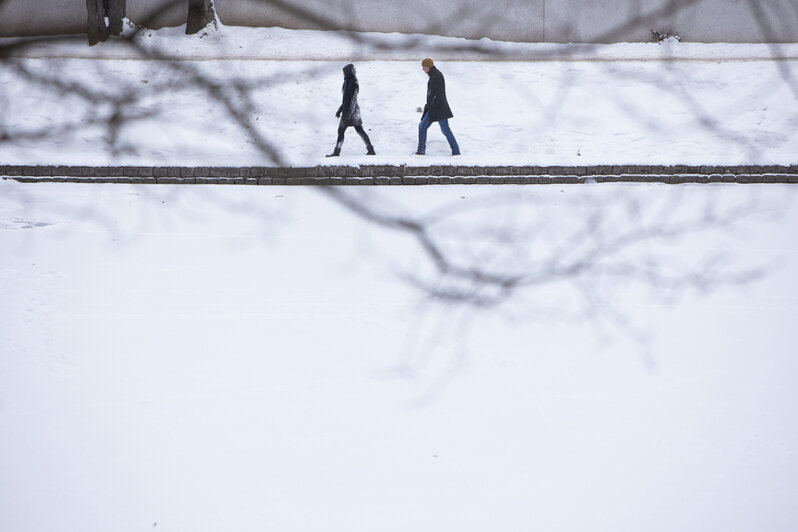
x: 424, y: 125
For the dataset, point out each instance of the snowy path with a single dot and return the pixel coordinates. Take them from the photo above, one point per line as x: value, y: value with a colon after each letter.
x: 691, y: 111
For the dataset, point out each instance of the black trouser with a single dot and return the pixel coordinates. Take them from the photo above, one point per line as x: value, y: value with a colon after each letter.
x: 360, y: 131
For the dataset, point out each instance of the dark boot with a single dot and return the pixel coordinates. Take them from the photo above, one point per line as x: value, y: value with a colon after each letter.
x: 336, y: 152
x: 370, y: 150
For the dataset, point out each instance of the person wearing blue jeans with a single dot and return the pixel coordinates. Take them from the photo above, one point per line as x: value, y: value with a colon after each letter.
x: 436, y: 110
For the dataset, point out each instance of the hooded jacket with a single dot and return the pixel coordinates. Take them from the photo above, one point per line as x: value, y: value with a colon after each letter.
x: 437, y: 106
x: 349, y: 110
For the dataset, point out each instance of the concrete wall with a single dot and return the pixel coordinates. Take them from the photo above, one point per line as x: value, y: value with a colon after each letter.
x: 515, y: 20
x: 53, y: 17
x: 692, y: 20
x: 20, y: 17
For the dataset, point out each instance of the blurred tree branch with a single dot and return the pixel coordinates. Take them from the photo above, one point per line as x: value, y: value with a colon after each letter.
x: 472, y: 267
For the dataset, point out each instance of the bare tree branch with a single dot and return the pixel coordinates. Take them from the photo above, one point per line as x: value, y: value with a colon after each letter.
x: 484, y: 267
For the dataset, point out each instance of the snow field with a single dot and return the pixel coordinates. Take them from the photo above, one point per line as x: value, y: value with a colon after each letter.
x: 199, y: 358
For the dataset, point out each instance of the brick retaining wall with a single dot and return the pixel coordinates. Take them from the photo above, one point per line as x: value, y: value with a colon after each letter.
x: 403, y: 175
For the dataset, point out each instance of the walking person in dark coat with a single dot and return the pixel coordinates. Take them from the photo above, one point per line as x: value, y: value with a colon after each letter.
x: 436, y: 110
x: 349, y: 112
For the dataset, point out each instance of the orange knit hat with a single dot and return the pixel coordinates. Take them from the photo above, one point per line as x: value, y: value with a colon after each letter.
x: 427, y: 63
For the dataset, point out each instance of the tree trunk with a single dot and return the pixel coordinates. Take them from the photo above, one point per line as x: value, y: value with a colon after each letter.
x: 115, y: 10
x: 200, y: 14
x: 95, y: 25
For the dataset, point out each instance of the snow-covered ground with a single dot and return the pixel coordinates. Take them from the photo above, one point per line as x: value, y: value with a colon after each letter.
x: 644, y: 103
x: 252, y: 358
x: 204, y: 358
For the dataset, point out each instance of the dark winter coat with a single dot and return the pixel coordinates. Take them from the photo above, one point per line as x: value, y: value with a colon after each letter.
x: 437, y: 106
x: 349, y: 110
